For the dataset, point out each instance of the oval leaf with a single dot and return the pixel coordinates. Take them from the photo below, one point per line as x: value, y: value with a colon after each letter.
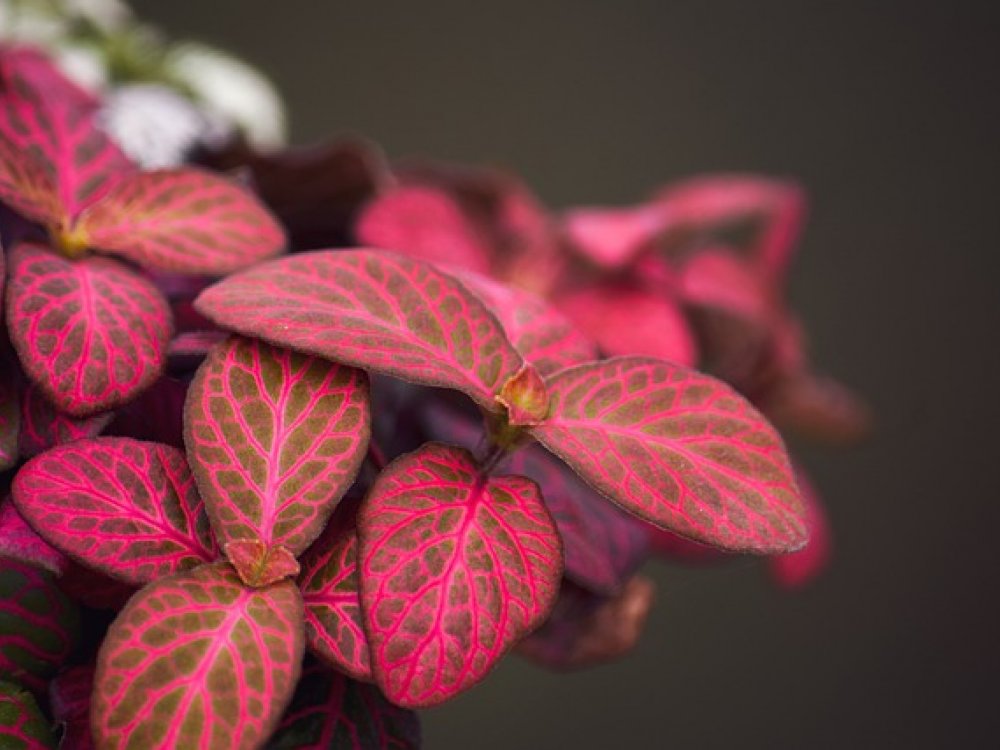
x: 25, y: 185
x: 676, y: 448
x: 38, y: 624
x: 626, y: 319
x: 613, y: 237
x: 22, y: 724
x: 127, y: 508
x: 43, y: 426
x: 91, y: 333
x: 455, y: 569
x: 275, y: 439
x: 333, y: 712
x: 425, y: 223
x: 602, y: 545
x: 183, y: 220
x: 542, y: 335
x: 374, y: 310
x: 198, y: 660
x: 329, y: 584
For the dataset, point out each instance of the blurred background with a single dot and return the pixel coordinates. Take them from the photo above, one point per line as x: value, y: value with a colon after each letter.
x: 888, y: 114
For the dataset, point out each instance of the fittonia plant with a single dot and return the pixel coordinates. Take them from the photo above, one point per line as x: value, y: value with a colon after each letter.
x: 348, y: 481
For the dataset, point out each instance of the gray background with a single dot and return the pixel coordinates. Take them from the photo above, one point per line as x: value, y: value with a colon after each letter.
x: 888, y: 113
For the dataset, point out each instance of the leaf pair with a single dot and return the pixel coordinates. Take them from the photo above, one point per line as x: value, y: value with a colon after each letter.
x: 670, y: 445
x: 93, y: 333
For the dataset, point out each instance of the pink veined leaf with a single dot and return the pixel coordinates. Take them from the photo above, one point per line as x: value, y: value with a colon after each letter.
x: 69, y: 698
x: 586, y: 629
x: 602, y: 545
x: 27, y: 72
x: 275, y: 439
x: 543, y: 336
x: 22, y: 724
x: 49, y: 127
x: 43, y: 426
x: 772, y: 209
x: 425, y: 223
x: 19, y: 541
x: 797, y: 569
x: 330, y: 711
x: 126, y: 508
x: 679, y: 449
x: 38, y: 624
x: 198, y: 660
x: 626, y: 319
x: 613, y: 237
x: 25, y: 185
x: 455, y: 569
x: 329, y: 584
x: 370, y: 309
x: 90, y: 333
x: 10, y: 416
x: 183, y: 220
x: 725, y: 282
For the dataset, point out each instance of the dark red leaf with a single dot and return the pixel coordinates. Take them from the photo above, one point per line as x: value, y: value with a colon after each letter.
x: 69, y: 697
x: 19, y: 541
x: 43, y: 426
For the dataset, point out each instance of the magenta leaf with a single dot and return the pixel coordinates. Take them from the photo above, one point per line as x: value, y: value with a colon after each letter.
x: 329, y: 584
x: 612, y: 237
x: 679, y: 449
x: 455, y: 569
x: 126, y: 508
x: 425, y: 223
x: 626, y: 319
x: 586, y: 629
x: 374, y: 310
x: 22, y: 725
x: 10, y: 416
x: 542, y: 335
x: 69, y: 697
x: 275, y: 439
x: 49, y: 126
x: 183, y: 220
x: 198, y: 660
x: 602, y: 545
x: 43, y: 426
x: 333, y: 712
x: 90, y: 333
x: 38, y: 624
x: 720, y: 280
x: 19, y: 541
x: 25, y: 185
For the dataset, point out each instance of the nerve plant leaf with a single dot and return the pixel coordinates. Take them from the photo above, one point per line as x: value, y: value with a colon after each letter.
x: 126, y: 508
x: 275, y: 439
x: 333, y: 712
x: 38, y: 624
x: 676, y: 448
x: 425, y: 223
x: 542, y: 335
x: 90, y: 333
x: 378, y: 311
x: 198, y: 660
x: 329, y: 584
x: 455, y: 568
x: 69, y: 698
x: 22, y: 724
x: 182, y: 220
x: 25, y: 185
x: 602, y: 545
